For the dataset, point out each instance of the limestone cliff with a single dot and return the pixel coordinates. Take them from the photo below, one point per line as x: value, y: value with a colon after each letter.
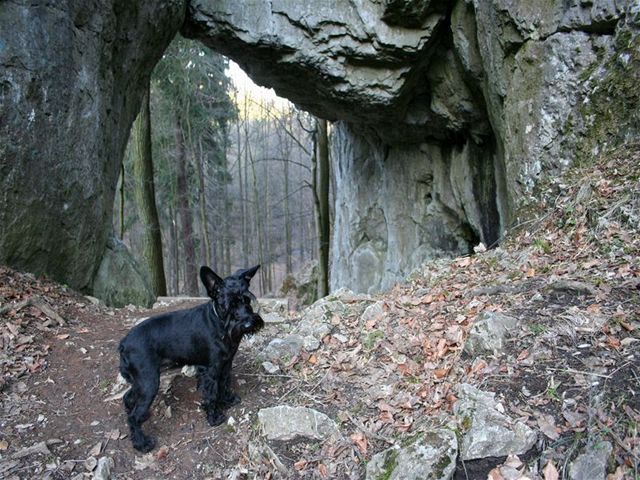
x: 451, y: 113
x: 448, y: 113
x: 71, y: 77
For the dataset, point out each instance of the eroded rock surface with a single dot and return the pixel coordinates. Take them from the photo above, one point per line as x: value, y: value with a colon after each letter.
x: 449, y: 113
x: 71, y: 82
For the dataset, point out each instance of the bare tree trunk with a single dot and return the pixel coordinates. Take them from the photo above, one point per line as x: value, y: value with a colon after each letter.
x: 247, y: 225
x: 258, y: 217
x: 226, y: 206
x: 186, y: 215
x: 243, y: 206
x: 323, y: 208
x: 145, y: 199
x: 175, y: 256
x: 206, y: 242
x: 122, y: 201
x: 302, y: 231
x: 287, y: 210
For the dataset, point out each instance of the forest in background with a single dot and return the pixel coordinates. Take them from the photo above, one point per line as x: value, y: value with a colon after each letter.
x: 235, y: 177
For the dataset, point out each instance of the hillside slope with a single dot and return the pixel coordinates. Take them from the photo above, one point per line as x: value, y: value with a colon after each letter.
x: 387, y: 368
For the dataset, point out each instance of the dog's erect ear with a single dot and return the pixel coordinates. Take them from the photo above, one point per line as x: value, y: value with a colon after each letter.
x: 248, y: 273
x: 209, y: 279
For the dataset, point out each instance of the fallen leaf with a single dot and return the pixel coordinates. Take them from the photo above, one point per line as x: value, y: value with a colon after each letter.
x: 4, y: 444
x: 627, y: 326
x: 613, y: 342
x: 440, y: 373
x: 300, y: 464
x: 547, y: 425
x: 617, y: 475
x: 161, y: 453
x: 550, y: 472
x: 322, y: 469
x: 113, y: 434
x: 361, y: 442
x: 495, y: 475
x: 95, y: 450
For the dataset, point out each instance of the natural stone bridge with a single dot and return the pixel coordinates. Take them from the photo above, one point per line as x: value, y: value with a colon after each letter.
x: 448, y: 113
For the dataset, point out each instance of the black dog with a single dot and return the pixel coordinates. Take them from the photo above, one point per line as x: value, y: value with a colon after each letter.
x: 207, y: 336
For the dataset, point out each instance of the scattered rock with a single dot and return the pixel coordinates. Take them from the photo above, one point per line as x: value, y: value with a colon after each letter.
x: 488, y: 333
x: 275, y: 305
x: 573, y: 287
x: 488, y: 432
x: 259, y: 451
x: 591, y: 464
x: 281, y: 350
x: 103, y: 470
x: 373, y: 312
x: 286, y: 423
x: 345, y: 295
x: 90, y: 464
x: 341, y: 338
x: 93, y: 300
x: 321, y: 312
x: 311, y: 344
x: 272, y: 317
x: 40, y: 447
x: 189, y: 371
x: 433, y: 456
x: 270, y: 367
x: 308, y: 327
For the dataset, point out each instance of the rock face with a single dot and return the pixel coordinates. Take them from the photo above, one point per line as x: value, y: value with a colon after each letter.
x: 71, y: 80
x: 449, y: 113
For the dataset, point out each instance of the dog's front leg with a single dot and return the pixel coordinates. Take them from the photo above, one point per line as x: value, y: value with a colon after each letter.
x: 211, y: 392
x: 228, y: 397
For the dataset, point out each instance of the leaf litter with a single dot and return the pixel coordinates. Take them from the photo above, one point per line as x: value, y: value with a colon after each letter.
x: 570, y: 371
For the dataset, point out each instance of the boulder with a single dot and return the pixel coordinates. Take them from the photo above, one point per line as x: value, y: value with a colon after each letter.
x: 486, y: 430
x: 592, y: 463
x: 120, y: 281
x: 432, y: 455
x: 282, y: 350
x: 488, y: 333
x: 287, y: 423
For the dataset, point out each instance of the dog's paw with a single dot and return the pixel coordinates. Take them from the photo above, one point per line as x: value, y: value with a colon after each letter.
x: 144, y: 444
x: 216, y: 418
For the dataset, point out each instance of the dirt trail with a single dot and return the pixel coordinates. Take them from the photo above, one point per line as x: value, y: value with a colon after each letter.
x: 64, y: 406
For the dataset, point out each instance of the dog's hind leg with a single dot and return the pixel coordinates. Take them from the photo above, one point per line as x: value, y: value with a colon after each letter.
x: 130, y: 398
x: 145, y: 387
x: 126, y: 370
